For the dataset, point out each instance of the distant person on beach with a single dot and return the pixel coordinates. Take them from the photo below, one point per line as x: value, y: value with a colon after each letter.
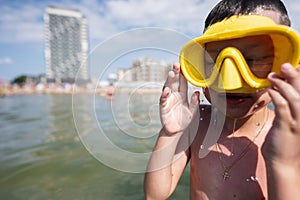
x: 257, y: 152
x: 110, y: 91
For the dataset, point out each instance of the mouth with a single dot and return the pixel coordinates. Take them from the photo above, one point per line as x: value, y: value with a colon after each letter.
x: 236, y: 98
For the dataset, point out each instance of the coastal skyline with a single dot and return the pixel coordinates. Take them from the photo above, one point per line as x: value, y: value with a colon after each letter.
x: 22, y: 26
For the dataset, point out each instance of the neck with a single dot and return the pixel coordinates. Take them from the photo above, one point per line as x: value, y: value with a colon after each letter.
x: 248, y: 124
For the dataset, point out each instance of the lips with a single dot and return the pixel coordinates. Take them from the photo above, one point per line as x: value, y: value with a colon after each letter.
x: 236, y: 98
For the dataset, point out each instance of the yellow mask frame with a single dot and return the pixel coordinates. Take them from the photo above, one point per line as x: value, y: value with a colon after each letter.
x: 286, y: 44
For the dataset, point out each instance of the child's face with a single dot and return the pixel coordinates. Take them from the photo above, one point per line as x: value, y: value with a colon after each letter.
x: 259, y: 53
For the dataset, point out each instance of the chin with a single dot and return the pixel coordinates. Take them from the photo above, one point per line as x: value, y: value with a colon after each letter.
x: 237, y: 113
x: 241, y: 112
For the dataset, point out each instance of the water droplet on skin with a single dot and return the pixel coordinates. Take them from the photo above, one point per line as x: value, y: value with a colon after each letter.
x: 253, y: 178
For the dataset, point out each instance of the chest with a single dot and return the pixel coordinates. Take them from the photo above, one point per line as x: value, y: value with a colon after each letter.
x: 222, y: 176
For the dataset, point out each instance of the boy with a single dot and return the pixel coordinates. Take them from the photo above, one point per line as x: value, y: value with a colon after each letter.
x: 252, y: 153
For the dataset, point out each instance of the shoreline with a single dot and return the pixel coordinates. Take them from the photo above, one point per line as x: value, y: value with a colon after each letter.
x: 101, y: 91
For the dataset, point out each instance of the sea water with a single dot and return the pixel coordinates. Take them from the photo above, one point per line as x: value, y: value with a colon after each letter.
x: 73, y: 147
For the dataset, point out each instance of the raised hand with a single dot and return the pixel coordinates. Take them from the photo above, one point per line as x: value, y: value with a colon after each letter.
x: 176, y: 112
x: 281, y: 149
x: 283, y: 141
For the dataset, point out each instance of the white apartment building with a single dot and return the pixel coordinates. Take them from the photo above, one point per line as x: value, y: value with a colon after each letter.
x: 66, y: 45
x: 145, y: 70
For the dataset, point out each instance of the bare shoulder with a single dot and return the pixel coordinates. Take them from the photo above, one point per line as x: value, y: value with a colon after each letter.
x: 200, y: 123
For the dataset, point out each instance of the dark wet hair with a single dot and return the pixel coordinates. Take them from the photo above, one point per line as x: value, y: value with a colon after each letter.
x: 227, y: 8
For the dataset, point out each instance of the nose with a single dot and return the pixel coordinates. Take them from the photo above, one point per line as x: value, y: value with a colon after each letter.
x: 229, y: 77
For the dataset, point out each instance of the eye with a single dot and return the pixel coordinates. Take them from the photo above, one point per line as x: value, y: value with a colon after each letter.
x: 267, y: 60
x: 209, y: 66
x: 261, y: 67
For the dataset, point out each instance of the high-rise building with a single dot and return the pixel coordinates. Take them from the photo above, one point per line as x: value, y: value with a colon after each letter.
x: 66, y: 45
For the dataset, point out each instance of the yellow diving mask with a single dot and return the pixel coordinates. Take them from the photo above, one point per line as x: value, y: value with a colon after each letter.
x: 229, y: 70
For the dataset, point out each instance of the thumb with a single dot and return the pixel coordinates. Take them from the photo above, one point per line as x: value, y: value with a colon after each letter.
x: 194, y: 104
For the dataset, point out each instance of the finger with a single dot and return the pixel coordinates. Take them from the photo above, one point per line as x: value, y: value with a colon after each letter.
x: 172, y: 80
x: 298, y: 68
x: 282, y: 110
x: 183, y: 85
x: 164, y: 96
x: 176, y: 67
x: 288, y: 94
x: 194, y: 104
x: 291, y: 75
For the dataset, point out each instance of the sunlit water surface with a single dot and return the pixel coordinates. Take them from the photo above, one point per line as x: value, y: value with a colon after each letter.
x: 48, y: 150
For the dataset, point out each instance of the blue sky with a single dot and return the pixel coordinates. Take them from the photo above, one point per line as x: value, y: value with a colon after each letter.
x: 22, y: 33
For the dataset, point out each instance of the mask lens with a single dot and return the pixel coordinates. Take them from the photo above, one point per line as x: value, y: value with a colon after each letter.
x: 258, y: 52
x: 261, y: 67
x: 209, y: 64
